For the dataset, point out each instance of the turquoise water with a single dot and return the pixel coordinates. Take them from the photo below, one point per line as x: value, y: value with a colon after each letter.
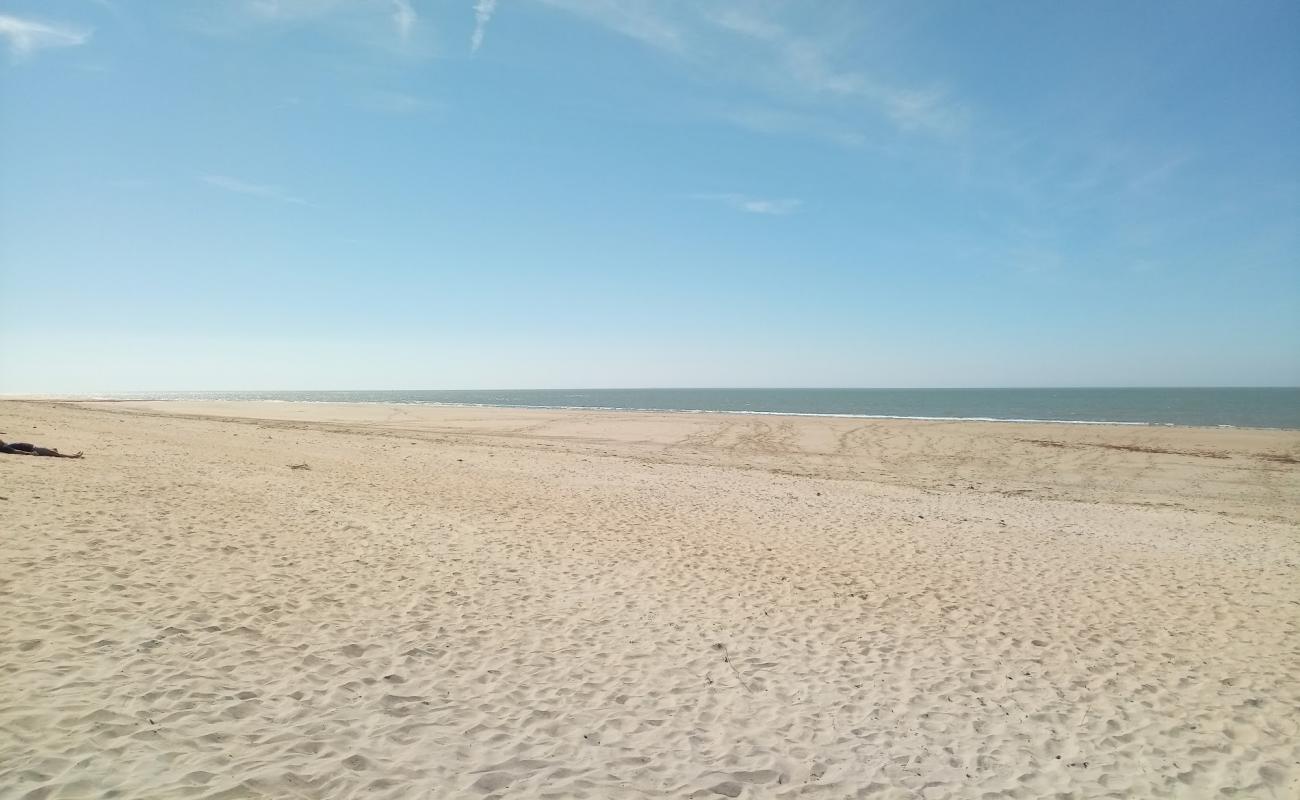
x: 1257, y: 408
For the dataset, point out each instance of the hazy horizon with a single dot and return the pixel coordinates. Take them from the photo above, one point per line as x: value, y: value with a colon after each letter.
x: 1238, y: 407
x: 274, y: 389
x: 560, y: 193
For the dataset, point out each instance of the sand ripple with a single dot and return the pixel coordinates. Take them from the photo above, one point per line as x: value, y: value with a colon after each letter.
x: 429, y: 612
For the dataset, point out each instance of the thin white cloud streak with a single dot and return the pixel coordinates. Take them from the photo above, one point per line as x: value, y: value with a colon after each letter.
x: 404, y: 17
x: 388, y: 102
x: 783, y: 122
x: 264, y: 191
x: 637, y: 20
x: 109, y: 6
x: 293, y: 9
x: 808, y: 65
x: 358, y: 16
x: 778, y: 207
x: 1160, y: 172
x: 483, y: 10
x: 26, y: 36
x: 750, y: 48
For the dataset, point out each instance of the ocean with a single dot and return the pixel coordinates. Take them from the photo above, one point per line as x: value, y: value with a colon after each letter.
x: 1234, y: 407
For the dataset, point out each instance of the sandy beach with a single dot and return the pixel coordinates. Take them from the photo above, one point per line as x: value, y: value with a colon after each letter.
x: 277, y: 600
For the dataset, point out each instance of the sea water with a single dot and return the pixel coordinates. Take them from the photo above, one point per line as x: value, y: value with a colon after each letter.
x: 1237, y: 407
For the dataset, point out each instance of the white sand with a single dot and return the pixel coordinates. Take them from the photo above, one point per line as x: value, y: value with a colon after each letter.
x: 491, y: 603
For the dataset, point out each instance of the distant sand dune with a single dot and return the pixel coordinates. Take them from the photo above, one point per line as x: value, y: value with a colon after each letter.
x: 479, y: 603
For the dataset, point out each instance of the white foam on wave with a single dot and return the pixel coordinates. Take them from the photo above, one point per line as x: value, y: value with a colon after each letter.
x: 255, y: 397
x: 639, y: 410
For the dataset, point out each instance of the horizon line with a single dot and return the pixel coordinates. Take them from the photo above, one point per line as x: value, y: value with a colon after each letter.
x: 37, y: 395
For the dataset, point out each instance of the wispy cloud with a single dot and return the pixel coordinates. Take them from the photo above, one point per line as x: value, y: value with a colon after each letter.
x: 291, y: 9
x: 372, y: 20
x: 1036, y: 260
x: 746, y: 44
x: 264, y: 191
x: 636, y: 19
x: 782, y: 121
x: 389, y: 102
x: 483, y: 10
x: 754, y: 205
x: 26, y: 36
x: 1159, y: 172
x: 404, y: 18
x: 808, y: 65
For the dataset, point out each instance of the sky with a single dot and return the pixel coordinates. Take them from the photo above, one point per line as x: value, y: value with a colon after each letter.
x: 421, y: 194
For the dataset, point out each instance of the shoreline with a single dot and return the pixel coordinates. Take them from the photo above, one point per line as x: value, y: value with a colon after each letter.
x: 1236, y: 467
x: 620, y: 410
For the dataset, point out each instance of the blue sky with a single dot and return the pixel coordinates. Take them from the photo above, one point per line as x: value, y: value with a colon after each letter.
x: 335, y: 194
